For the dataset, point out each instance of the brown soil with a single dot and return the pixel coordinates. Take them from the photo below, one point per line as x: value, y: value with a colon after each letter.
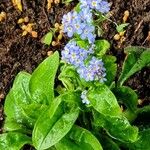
x: 25, y: 53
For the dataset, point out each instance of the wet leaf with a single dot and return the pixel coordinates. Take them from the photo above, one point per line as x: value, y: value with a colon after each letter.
x: 101, y: 47
x: 109, y: 114
x: 42, y: 80
x: 127, y: 96
x: 117, y: 127
x: 68, y: 77
x: 103, y: 100
x: 143, y: 141
x: 108, y: 143
x: 34, y: 110
x: 55, y: 122
x: 13, y: 125
x: 13, y: 141
x: 136, y: 59
x: 111, y: 68
x: 78, y: 139
x: 17, y: 97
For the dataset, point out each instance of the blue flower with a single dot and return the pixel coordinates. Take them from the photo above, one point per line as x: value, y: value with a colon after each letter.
x: 99, y: 5
x: 69, y: 30
x: 94, y: 71
x: 79, y: 23
x: 94, y: 4
x: 67, y: 18
x: 84, y: 97
x: 84, y: 4
x: 88, y: 33
x: 86, y: 15
x: 73, y: 54
x: 104, y: 7
x: 78, y: 26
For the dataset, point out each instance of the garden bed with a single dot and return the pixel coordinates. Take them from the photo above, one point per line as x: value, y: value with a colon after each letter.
x: 19, y: 53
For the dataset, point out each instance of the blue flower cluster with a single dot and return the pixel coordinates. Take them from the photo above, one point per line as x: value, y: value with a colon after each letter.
x: 73, y: 54
x: 99, y: 5
x: 92, y: 71
x: 84, y: 97
x: 79, y: 23
x: 82, y: 23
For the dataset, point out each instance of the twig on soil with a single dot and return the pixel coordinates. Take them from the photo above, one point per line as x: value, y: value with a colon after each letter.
x: 147, y: 38
x: 139, y: 25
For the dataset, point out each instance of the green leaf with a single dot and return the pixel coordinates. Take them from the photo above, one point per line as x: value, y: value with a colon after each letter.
x: 108, y: 143
x: 103, y: 100
x: 69, y: 77
x: 77, y: 8
x: 142, y: 119
x: 13, y: 141
x: 47, y: 39
x: 143, y: 141
x: 127, y: 96
x: 120, y: 28
x: 42, y: 80
x: 110, y: 116
x: 136, y: 59
x: 55, y: 122
x: 117, y: 127
x: 13, y: 125
x: 101, y: 47
x: 111, y: 68
x: 34, y: 110
x: 79, y: 139
x: 19, y: 94
x: 17, y: 97
x: 83, y: 44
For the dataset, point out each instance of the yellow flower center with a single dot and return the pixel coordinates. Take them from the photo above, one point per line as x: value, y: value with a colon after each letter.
x: 94, y: 4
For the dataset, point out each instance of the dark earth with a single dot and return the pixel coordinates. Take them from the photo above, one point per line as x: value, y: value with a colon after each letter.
x: 19, y: 53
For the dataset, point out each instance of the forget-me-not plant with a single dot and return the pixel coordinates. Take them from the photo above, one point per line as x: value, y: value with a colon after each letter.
x: 81, y: 25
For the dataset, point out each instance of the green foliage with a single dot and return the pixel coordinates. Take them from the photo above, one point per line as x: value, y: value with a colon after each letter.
x: 110, y: 115
x: 136, y: 59
x: 52, y: 118
x: 101, y: 47
x: 42, y: 80
x: 103, y: 100
x: 13, y: 141
x: 108, y: 143
x: 66, y: 2
x: 57, y: 121
x: 111, y: 68
x: 120, y: 28
x: 143, y: 142
x: 18, y: 97
x: 78, y: 139
x: 83, y: 44
x: 127, y: 96
x: 47, y: 39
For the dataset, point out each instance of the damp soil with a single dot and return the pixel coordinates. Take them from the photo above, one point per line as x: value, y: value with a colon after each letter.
x: 19, y: 53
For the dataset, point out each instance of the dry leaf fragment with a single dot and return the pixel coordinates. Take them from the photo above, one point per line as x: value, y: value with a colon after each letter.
x: 2, y: 16
x: 49, y: 4
x: 18, y: 4
x: 56, y: 1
